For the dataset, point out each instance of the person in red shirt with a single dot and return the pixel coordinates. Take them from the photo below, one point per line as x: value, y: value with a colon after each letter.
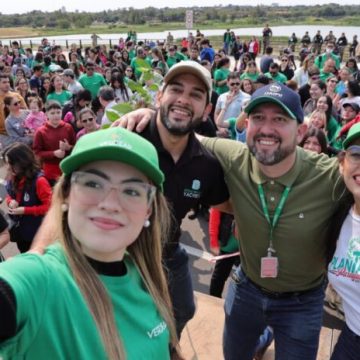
x: 29, y: 194
x: 53, y: 141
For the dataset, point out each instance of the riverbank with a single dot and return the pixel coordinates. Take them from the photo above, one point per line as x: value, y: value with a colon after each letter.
x: 30, y: 32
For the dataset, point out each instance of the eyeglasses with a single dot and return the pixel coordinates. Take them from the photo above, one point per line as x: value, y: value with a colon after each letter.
x: 90, y: 119
x: 234, y: 84
x: 92, y: 189
x: 352, y: 154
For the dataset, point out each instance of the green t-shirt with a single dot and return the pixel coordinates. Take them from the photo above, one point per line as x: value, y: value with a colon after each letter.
x: 300, y: 237
x: 324, y: 76
x: 53, y: 320
x: 252, y: 77
x: 332, y: 128
x: 171, y: 60
x: 280, y: 78
x: 62, y: 98
x: 92, y: 83
x: 321, y: 59
x: 219, y: 75
x: 132, y: 54
x: 136, y: 66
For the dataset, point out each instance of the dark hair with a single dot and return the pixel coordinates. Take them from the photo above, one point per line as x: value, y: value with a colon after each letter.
x: 47, y: 60
x: 83, y: 94
x: 353, y: 60
x: 7, y: 102
x: 353, y: 87
x: 320, y: 84
x: 242, y: 85
x: 233, y: 75
x: 37, y: 67
x: 268, y: 50
x: 21, y: 157
x: 321, y: 137
x: 120, y: 79
x: 52, y: 81
x: 223, y: 62
x: 107, y: 93
x: 52, y: 104
x: 37, y: 99
x: 329, y: 102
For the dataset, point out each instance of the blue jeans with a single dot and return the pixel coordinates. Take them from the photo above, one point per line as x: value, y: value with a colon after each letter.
x: 180, y: 287
x: 296, y: 321
x: 348, y: 346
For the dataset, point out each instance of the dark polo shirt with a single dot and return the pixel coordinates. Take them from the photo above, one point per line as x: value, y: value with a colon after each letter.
x: 196, y: 177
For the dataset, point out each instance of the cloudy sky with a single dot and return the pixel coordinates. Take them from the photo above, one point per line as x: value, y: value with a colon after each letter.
x: 22, y: 6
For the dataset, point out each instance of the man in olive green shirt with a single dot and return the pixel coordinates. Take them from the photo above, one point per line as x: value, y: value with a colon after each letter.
x: 283, y: 200
x: 280, y: 283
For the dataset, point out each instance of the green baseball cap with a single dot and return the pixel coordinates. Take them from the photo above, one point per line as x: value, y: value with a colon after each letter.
x: 353, y: 134
x: 115, y: 144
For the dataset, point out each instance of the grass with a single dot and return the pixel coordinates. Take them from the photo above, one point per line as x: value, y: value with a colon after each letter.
x: 15, y: 32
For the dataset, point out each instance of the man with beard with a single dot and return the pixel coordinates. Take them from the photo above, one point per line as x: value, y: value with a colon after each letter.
x: 283, y: 199
x: 193, y: 176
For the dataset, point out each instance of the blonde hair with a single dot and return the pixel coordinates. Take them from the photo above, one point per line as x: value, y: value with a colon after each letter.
x: 146, y: 252
x: 320, y: 114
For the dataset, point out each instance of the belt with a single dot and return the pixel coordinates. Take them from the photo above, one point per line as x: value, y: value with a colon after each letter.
x: 274, y: 294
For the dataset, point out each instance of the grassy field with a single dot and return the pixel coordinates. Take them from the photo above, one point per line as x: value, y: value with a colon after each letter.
x: 14, y: 32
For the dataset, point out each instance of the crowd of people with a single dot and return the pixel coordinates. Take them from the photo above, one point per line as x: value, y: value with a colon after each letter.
x: 272, y: 133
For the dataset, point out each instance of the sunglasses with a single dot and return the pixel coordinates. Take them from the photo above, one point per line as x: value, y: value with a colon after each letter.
x: 90, y: 119
x: 315, y: 77
x: 234, y: 84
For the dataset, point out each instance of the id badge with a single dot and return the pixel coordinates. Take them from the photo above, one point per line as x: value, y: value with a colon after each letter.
x: 269, y: 267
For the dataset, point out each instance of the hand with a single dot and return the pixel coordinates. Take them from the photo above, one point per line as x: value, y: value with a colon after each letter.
x: 13, y: 204
x: 17, y: 211
x: 61, y: 145
x: 229, y: 98
x: 66, y: 145
x: 223, y: 133
x: 136, y: 120
x: 59, y: 153
x: 215, y: 250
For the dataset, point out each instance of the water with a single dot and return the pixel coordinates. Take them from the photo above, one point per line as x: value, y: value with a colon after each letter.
x: 299, y: 30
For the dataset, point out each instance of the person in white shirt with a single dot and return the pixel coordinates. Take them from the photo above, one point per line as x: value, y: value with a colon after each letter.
x: 72, y: 85
x: 344, y: 268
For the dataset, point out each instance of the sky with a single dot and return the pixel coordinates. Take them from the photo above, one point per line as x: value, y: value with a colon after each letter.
x: 23, y: 6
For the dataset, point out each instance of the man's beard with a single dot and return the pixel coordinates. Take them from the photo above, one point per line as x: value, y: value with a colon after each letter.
x: 173, y: 127
x: 270, y: 157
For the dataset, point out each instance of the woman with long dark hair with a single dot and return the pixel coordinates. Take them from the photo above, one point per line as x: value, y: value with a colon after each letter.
x: 102, y: 281
x: 122, y: 92
x: 29, y: 193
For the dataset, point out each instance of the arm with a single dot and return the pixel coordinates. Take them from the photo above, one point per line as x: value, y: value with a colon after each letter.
x: 136, y: 120
x: 219, y: 115
x: 7, y: 311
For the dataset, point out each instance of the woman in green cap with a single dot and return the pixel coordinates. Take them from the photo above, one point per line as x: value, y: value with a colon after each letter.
x: 344, y: 268
x: 99, y: 292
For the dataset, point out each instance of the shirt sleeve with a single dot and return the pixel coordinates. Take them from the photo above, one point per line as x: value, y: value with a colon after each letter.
x: 214, y: 223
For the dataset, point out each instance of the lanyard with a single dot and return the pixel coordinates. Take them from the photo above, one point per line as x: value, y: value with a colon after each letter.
x: 277, y: 214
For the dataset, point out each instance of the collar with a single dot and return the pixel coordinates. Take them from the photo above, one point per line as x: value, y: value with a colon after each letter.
x: 287, y: 179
